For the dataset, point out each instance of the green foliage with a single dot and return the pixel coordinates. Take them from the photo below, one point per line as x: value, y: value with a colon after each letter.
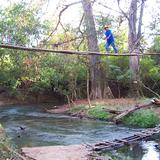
x: 119, y: 69
x: 121, y: 39
x: 149, y: 69
x: 143, y: 118
x: 156, y: 45
x: 20, y: 24
x: 6, y: 150
x: 65, y: 76
x: 150, y: 73
x: 79, y: 108
x: 93, y: 112
x: 4, y: 153
x: 99, y: 113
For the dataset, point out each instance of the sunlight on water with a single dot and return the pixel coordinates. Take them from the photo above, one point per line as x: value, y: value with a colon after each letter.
x: 150, y: 150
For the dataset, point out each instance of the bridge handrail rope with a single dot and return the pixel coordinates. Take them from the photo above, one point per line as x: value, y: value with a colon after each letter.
x: 8, y: 46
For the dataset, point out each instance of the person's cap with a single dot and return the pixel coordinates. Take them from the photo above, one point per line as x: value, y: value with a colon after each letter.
x: 106, y: 26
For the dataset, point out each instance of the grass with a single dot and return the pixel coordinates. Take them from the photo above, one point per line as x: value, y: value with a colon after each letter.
x: 7, y: 152
x: 96, y: 112
x: 143, y: 118
x: 99, y: 113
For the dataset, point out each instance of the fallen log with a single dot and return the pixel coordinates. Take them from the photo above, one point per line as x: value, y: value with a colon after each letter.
x: 154, y: 102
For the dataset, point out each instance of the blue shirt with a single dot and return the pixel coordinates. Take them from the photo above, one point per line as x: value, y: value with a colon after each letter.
x: 111, y: 38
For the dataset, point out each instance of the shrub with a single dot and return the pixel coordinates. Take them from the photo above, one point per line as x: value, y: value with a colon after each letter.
x: 79, y: 108
x: 144, y: 118
x: 99, y: 113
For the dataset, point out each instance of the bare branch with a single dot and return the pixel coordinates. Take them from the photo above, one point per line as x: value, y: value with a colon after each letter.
x: 59, y: 18
x: 108, y: 7
x: 140, y: 20
x: 150, y: 90
x: 79, y: 28
x: 125, y: 14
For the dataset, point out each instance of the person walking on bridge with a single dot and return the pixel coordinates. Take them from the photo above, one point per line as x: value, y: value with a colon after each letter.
x: 109, y: 39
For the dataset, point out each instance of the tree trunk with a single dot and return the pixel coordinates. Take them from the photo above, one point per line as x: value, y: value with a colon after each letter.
x: 99, y: 86
x: 134, y: 49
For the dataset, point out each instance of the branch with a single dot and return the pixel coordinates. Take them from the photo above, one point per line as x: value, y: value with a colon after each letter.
x: 63, y: 42
x: 150, y: 89
x: 59, y: 18
x: 140, y: 20
x: 12, y: 151
x: 79, y: 28
x: 125, y: 14
x: 108, y: 7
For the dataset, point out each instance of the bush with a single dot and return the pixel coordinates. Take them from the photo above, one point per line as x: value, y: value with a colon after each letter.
x: 7, y: 151
x: 143, y: 118
x: 79, y: 108
x: 99, y: 113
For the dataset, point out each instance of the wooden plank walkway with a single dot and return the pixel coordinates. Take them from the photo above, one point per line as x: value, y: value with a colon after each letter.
x: 84, y: 152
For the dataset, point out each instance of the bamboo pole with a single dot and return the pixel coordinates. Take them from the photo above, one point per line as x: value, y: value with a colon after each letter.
x: 29, y: 49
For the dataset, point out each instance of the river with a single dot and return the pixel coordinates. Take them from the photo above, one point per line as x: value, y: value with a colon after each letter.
x: 30, y: 126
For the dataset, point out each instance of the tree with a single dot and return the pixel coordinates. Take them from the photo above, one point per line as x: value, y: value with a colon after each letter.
x: 99, y: 86
x: 20, y: 24
x: 134, y: 37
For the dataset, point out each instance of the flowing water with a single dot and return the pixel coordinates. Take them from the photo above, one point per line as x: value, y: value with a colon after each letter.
x: 29, y: 126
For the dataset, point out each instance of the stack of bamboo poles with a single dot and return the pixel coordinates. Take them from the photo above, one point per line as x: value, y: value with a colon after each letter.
x: 117, y: 143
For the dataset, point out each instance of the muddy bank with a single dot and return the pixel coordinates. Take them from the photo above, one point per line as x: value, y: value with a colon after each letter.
x: 48, y: 98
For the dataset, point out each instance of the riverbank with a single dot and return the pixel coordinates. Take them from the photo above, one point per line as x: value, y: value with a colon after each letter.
x: 99, y: 109
x: 7, y: 151
x: 79, y: 108
x: 107, y: 110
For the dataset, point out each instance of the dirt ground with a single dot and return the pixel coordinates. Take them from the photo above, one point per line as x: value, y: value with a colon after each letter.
x: 71, y: 152
x: 108, y: 102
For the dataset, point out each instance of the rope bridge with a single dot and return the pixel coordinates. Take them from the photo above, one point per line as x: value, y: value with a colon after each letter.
x: 70, y: 52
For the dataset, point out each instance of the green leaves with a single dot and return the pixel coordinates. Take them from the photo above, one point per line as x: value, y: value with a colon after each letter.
x: 20, y: 24
x: 149, y: 69
x: 143, y: 118
x: 119, y: 69
x: 156, y: 44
